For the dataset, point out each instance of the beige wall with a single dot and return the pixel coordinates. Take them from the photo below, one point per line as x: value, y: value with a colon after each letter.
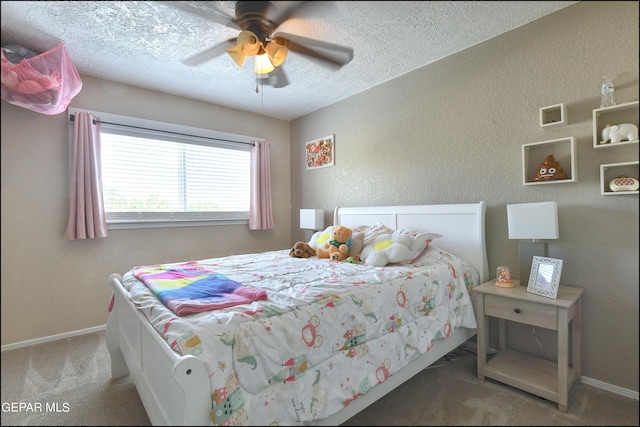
x: 452, y: 132
x: 52, y: 286
x: 448, y: 133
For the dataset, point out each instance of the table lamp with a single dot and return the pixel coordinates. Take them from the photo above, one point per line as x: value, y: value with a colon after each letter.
x: 532, y: 221
x: 312, y: 219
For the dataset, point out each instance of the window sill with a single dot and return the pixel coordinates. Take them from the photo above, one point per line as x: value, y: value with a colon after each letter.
x: 130, y: 225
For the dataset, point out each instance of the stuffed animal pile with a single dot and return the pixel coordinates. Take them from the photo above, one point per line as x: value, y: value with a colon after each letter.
x: 336, y: 247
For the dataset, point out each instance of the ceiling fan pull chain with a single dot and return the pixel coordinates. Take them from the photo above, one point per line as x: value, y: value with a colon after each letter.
x: 257, y: 91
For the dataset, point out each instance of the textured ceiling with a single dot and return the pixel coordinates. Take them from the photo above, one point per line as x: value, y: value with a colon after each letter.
x: 142, y: 43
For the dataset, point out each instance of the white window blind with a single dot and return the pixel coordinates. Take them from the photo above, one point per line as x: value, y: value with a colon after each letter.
x: 155, y: 177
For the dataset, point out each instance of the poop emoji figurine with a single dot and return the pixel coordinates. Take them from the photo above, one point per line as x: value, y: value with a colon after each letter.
x: 549, y: 170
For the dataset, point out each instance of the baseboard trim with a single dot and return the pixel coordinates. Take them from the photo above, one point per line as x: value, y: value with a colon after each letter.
x: 585, y: 380
x: 610, y: 387
x: 52, y: 338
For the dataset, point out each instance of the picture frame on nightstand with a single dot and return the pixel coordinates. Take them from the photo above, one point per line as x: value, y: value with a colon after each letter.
x: 545, y: 276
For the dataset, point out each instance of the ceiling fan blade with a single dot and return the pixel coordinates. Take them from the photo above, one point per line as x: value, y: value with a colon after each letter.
x: 334, y: 54
x: 207, y: 10
x: 279, y: 11
x: 209, y: 54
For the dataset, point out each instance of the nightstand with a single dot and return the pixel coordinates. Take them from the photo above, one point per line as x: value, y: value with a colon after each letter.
x: 544, y: 378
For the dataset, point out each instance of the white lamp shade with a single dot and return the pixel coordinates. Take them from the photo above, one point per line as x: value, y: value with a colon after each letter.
x: 533, y: 221
x: 312, y: 219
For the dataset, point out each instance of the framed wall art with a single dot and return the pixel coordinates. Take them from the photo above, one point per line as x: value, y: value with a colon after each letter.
x: 319, y: 153
x: 545, y: 276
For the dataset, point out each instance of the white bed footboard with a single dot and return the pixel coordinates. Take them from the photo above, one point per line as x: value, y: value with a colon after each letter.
x: 174, y: 389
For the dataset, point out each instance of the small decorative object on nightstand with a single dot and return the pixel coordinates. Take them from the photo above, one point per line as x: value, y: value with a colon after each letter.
x: 545, y: 276
x: 503, y: 277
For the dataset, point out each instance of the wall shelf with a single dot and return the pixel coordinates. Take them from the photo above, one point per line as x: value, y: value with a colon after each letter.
x: 553, y: 115
x: 613, y: 170
x: 622, y: 113
x: 563, y: 151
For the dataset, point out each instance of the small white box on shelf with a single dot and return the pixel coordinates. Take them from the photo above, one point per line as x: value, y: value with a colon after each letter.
x: 553, y: 115
x: 615, y: 115
x: 611, y: 171
x: 561, y: 152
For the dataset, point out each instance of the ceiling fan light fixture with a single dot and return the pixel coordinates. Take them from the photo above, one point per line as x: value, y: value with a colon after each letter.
x: 262, y: 64
x: 277, y: 53
x: 236, y: 54
x: 247, y: 44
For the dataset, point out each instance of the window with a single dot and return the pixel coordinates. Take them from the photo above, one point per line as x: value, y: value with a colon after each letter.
x: 158, y: 174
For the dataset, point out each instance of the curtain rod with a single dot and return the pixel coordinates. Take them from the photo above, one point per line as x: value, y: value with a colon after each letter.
x: 72, y: 118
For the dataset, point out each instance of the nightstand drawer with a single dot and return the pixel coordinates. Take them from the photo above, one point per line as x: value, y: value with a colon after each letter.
x: 530, y: 313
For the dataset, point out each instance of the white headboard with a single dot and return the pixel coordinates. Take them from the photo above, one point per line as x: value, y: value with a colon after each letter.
x: 461, y: 225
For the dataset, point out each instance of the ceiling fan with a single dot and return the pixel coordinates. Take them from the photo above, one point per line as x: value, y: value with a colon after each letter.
x: 258, y: 22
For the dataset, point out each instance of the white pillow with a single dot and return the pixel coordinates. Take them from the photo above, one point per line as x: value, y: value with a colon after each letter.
x: 419, y: 243
x: 400, y: 246
x: 373, y: 231
x: 386, y: 249
x: 356, y: 243
x: 320, y: 237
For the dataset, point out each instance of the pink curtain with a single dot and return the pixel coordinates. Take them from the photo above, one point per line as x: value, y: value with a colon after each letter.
x: 260, y: 212
x: 87, y: 218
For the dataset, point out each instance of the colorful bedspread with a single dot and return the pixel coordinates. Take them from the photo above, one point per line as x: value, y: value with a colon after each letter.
x: 327, y: 333
x: 188, y: 288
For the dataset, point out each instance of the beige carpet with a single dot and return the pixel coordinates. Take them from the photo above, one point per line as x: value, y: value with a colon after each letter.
x: 68, y: 383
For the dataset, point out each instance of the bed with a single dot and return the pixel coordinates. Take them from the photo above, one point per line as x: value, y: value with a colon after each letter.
x: 354, y: 332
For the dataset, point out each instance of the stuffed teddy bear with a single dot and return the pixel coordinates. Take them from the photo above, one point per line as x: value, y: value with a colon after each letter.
x: 336, y: 248
x: 302, y: 250
x: 355, y: 243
